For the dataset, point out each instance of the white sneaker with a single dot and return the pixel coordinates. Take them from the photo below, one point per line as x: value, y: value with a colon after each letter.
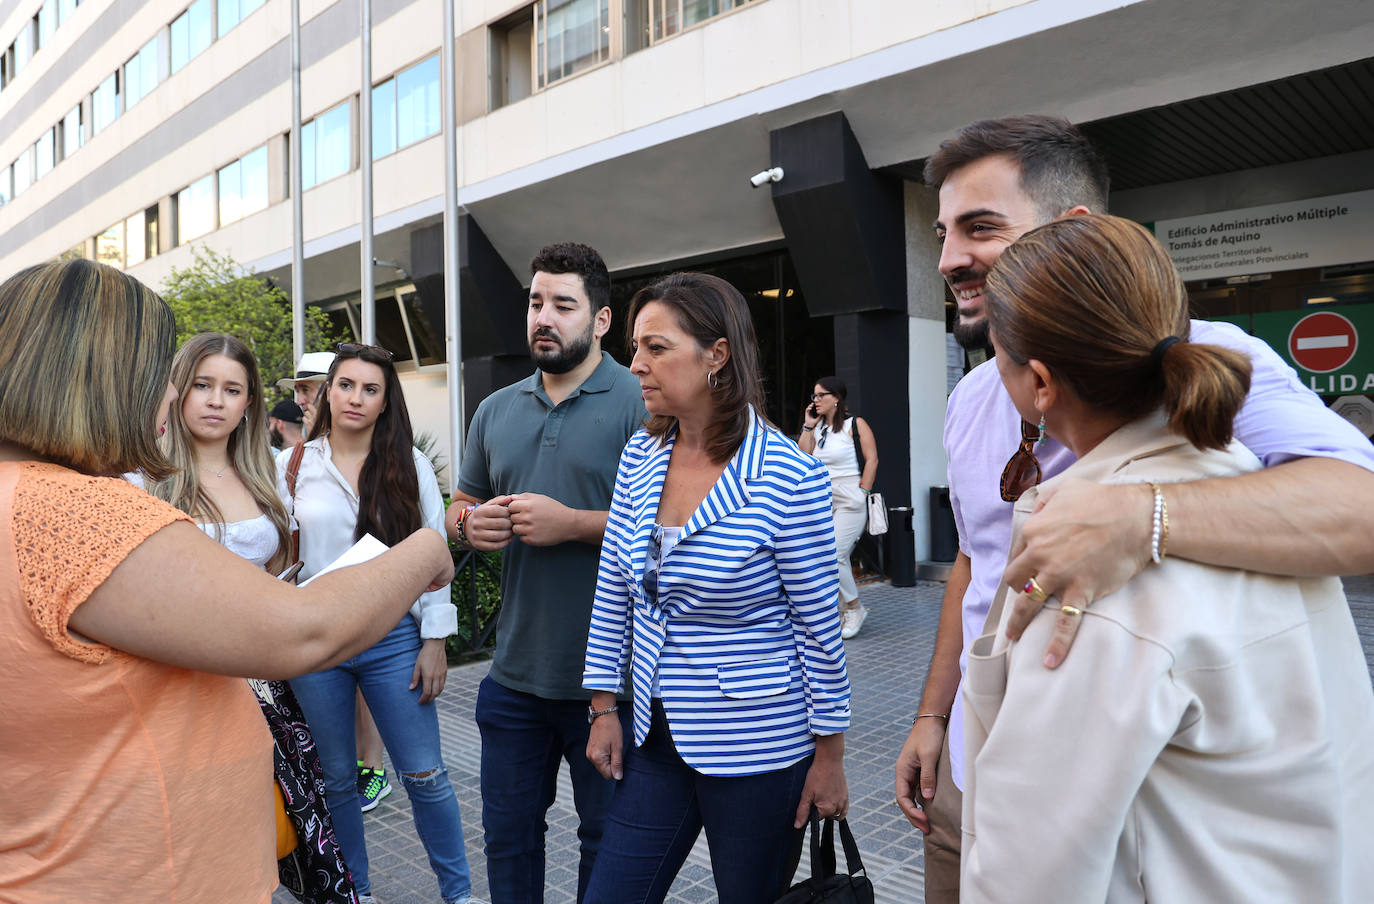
x: 367, y: 899
x: 851, y: 620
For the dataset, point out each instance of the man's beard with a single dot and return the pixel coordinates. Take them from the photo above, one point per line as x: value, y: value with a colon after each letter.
x: 277, y: 440
x: 567, y: 356
x: 972, y: 336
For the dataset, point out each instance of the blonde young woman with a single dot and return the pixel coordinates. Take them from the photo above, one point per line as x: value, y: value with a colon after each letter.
x: 217, y: 438
x: 226, y: 480
x: 143, y: 770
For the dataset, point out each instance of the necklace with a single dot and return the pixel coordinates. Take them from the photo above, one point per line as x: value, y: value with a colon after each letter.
x: 219, y: 473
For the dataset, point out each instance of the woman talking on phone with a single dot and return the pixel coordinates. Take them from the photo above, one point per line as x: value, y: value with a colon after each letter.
x: 359, y: 474
x: 845, y: 445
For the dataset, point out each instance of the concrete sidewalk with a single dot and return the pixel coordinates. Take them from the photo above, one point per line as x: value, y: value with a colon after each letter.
x: 887, y: 666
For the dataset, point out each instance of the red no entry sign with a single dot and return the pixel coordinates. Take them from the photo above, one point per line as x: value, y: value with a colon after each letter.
x: 1322, y: 342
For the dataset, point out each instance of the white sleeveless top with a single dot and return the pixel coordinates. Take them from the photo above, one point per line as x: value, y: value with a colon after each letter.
x: 255, y: 539
x: 835, y: 449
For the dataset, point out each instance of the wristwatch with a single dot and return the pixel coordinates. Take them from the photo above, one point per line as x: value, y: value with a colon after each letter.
x: 594, y: 714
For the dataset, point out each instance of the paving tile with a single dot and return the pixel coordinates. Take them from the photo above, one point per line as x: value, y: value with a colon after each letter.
x: 887, y: 667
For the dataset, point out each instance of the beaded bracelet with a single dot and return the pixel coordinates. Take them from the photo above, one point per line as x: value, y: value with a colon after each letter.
x: 460, y: 534
x: 1159, y: 529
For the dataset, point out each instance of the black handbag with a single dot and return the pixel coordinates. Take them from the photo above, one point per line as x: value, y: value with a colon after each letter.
x: 824, y: 885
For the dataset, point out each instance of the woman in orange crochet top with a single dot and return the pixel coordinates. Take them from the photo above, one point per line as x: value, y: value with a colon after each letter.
x: 141, y: 766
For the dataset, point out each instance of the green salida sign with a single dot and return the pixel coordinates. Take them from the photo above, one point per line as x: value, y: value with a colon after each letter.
x: 1324, y: 346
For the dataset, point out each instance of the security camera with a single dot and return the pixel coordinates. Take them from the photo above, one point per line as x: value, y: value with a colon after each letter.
x: 759, y: 180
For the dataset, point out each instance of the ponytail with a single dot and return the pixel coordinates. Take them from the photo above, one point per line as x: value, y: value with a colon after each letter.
x: 1204, y: 387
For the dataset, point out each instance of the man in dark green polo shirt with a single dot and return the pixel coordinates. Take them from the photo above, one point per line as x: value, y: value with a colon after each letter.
x: 536, y: 482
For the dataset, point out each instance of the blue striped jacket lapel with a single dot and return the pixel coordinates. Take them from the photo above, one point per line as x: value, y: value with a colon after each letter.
x: 731, y: 492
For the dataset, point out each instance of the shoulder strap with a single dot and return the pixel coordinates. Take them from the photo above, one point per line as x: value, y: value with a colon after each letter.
x: 858, y: 446
x: 293, y: 468
x: 293, y: 471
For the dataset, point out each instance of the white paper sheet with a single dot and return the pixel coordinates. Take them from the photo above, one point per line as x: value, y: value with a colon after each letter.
x: 369, y: 547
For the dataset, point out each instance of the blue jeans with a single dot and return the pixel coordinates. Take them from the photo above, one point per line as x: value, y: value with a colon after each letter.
x: 411, y: 735
x: 523, y: 739
x: 662, y: 805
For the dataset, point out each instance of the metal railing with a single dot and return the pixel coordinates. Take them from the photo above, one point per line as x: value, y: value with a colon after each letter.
x: 476, y: 592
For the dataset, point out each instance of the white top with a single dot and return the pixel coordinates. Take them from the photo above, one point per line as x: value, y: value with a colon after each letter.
x: 1280, y: 421
x: 326, y: 508
x: 668, y: 537
x: 835, y: 448
x: 254, y: 539
x: 1211, y: 738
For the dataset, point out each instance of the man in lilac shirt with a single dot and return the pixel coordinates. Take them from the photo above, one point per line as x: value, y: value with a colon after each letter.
x: 998, y: 179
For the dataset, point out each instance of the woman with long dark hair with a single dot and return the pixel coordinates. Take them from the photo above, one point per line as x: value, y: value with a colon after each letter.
x: 717, y: 592
x: 361, y: 474
x: 845, y: 445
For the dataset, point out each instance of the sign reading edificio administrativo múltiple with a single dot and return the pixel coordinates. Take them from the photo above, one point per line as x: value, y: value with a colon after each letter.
x: 1317, y: 232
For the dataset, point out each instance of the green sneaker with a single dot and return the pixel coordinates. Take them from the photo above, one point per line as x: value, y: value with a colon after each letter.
x: 373, y: 785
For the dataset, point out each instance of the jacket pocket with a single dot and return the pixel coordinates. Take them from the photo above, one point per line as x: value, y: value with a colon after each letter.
x: 748, y: 680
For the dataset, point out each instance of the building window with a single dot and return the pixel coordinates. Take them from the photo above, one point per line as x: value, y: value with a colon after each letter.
x: 243, y: 187
x: 23, y: 171
x: 140, y: 74
x: 72, y: 136
x: 150, y: 231
x: 105, y: 103
x: 417, y: 102
x: 128, y: 242
x: 405, y: 109
x: 384, y: 119
x: 65, y: 10
x: 135, y: 240
x: 650, y: 21
x: 6, y: 184
x: 109, y: 246
x: 325, y: 147
x: 510, y: 50
x: 570, y: 35
x: 190, y: 33
x: 23, y: 47
x: 196, y: 210
x: 232, y: 12
x: 43, y: 151
x: 47, y: 22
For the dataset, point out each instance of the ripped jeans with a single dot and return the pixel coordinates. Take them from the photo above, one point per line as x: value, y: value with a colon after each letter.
x: 411, y: 735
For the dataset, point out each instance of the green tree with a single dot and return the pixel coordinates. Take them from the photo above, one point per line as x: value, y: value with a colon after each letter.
x: 217, y: 294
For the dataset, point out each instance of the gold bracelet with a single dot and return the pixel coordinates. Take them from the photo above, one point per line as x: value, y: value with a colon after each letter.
x: 944, y: 716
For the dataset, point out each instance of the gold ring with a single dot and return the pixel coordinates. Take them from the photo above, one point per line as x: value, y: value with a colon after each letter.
x: 1033, y: 590
x: 1070, y: 610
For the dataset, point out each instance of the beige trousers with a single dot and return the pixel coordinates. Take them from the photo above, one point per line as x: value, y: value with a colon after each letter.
x: 945, y: 812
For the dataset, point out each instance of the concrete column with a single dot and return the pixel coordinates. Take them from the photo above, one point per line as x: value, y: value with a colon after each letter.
x: 927, y: 388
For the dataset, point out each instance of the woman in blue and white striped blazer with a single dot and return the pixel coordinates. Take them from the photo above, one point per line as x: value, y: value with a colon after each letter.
x: 716, y: 598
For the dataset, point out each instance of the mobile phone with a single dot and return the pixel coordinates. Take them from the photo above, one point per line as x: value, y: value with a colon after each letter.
x: 290, y: 573
x: 812, y: 410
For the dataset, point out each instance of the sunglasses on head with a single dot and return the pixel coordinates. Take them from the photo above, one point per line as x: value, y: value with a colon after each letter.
x: 1023, y: 468
x: 359, y: 349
